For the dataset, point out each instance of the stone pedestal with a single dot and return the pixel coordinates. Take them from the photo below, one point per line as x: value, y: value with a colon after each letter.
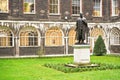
x: 81, y: 54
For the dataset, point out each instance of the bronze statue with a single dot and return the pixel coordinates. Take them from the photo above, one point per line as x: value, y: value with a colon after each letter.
x: 81, y: 29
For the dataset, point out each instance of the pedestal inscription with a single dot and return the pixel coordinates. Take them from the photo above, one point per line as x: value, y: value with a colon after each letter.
x: 81, y: 54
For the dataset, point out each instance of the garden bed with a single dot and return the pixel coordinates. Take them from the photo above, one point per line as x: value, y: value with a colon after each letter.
x: 68, y: 69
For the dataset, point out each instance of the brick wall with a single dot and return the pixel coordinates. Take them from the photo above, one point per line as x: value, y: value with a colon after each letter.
x: 7, y: 51
x: 16, y: 11
x: 70, y: 50
x: 54, y: 50
x: 115, y: 48
x: 28, y: 50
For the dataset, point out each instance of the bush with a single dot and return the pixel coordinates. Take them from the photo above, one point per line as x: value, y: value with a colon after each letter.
x: 99, y: 48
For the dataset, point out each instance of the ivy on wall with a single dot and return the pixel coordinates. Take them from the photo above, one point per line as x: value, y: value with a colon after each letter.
x: 5, y: 29
x: 28, y: 28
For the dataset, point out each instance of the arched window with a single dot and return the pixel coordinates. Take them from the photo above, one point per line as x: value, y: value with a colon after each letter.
x: 95, y: 32
x: 71, y: 36
x: 115, y: 36
x: 32, y: 39
x: 6, y: 38
x: 53, y: 37
x: 28, y: 37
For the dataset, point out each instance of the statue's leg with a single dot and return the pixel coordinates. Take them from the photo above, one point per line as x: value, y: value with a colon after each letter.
x: 79, y: 41
x: 82, y: 40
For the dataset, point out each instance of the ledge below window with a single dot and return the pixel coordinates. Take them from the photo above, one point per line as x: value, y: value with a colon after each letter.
x: 51, y: 14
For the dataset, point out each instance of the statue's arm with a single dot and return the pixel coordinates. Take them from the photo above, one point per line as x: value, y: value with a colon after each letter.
x: 85, y: 22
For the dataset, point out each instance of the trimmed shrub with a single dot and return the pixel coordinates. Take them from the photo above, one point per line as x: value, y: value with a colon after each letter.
x: 99, y: 48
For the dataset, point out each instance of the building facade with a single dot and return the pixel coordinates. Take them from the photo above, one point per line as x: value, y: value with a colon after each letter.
x: 28, y: 27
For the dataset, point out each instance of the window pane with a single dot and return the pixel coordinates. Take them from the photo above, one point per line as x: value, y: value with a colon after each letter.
x: 75, y: 6
x: 28, y: 38
x: 114, y: 36
x: 115, y: 8
x: 29, y: 6
x: 96, y: 8
x: 6, y: 39
x: 3, y: 5
x: 53, y: 7
x: 53, y: 37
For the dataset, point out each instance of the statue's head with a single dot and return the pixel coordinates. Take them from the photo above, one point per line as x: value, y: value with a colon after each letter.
x: 81, y: 15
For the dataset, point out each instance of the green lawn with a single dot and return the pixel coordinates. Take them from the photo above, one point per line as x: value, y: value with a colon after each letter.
x: 33, y: 69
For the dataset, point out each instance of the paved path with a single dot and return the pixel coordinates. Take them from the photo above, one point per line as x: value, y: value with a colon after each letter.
x: 30, y: 56
x: 54, y: 55
x: 115, y: 53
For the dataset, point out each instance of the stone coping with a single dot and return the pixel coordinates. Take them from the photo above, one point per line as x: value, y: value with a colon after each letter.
x: 36, y: 56
x: 81, y: 46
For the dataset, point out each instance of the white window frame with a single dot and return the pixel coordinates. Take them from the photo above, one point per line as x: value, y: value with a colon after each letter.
x: 80, y: 9
x: 30, y: 12
x: 38, y: 43
x: 7, y: 7
x: 54, y: 37
x: 29, y: 41
x: 113, y: 8
x: 100, y: 10
x: 114, y: 38
x: 58, y: 9
x: 5, y: 36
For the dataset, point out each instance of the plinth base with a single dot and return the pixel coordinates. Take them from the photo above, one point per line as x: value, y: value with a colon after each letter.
x: 81, y: 54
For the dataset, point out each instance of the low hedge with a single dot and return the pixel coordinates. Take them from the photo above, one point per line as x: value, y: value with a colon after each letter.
x: 66, y: 69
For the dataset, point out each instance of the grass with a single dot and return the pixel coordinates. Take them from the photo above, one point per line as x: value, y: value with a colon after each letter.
x: 33, y: 69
